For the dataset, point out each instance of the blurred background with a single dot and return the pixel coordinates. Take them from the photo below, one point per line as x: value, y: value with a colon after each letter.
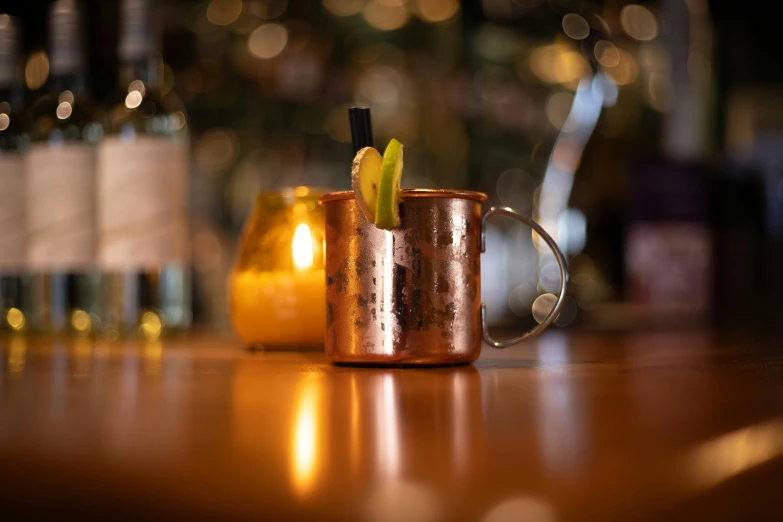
x: 646, y: 137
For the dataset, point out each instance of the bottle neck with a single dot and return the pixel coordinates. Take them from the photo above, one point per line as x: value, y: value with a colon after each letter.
x: 66, y: 62
x: 144, y: 69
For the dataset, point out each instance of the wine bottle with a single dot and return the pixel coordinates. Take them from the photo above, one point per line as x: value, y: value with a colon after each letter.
x: 60, y: 185
x: 143, y: 169
x: 13, y: 142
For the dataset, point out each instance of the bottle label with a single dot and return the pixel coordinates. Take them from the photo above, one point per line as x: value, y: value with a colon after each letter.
x: 61, y: 206
x: 12, y: 220
x: 142, y: 202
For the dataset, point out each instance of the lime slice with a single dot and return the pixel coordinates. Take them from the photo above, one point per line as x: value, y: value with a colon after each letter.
x: 365, y: 173
x: 387, y: 206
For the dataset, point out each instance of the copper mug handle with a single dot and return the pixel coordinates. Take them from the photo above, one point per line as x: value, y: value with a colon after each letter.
x: 561, y: 265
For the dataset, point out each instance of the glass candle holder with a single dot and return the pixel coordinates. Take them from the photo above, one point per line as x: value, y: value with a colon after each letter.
x: 276, y: 287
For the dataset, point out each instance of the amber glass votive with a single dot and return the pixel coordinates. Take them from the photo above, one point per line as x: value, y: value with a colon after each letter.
x: 276, y: 287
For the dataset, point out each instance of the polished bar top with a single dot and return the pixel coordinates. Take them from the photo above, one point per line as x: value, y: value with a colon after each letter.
x: 626, y: 427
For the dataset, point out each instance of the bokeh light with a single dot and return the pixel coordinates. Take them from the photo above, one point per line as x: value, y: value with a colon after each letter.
x: 151, y: 325
x: 36, y: 70
x: 381, y: 85
x: 5, y: 121
x: 81, y: 321
x: 177, y: 120
x: 66, y: 96
x: 15, y: 319
x: 436, y: 10
x: 575, y: 26
x: 133, y: 99
x: 224, y: 12
x: 385, y: 17
x: 344, y: 7
x: 638, y: 22
x: 558, y: 63
x: 542, y: 306
x: 137, y: 85
x: 268, y: 40
x: 626, y: 70
x: 606, y: 53
x: 64, y: 110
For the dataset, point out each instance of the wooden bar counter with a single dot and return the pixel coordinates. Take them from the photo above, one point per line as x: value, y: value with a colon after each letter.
x: 570, y: 427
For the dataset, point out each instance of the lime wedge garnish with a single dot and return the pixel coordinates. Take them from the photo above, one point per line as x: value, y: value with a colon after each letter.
x: 387, y: 204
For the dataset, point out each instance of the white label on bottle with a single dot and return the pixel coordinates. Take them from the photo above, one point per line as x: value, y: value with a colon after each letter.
x: 12, y: 220
x: 142, y: 202
x: 61, y: 206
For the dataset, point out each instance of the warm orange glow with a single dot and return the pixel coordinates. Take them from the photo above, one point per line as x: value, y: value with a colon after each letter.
x: 133, y: 99
x: 302, y: 247
x: 436, y: 10
x: 81, y: 321
x: 558, y: 63
x: 385, y: 17
x: 305, y: 438
x: 626, y: 70
x: 15, y: 319
x: 267, y: 41
x: 279, y: 307
x: 606, y: 53
x: 151, y: 325
x: 16, y: 357
x: 734, y: 453
x: 36, y: 70
x: 153, y: 356
x: 224, y: 12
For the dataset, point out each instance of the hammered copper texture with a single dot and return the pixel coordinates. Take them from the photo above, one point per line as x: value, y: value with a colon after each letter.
x: 409, y: 296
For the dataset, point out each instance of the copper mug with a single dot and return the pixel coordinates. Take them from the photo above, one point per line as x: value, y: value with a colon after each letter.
x: 412, y: 296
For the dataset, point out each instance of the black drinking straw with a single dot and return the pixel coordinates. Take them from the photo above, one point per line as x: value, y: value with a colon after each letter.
x: 361, y: 128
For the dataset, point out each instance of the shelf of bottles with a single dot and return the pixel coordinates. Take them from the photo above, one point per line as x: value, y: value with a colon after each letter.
x: 496, y: 95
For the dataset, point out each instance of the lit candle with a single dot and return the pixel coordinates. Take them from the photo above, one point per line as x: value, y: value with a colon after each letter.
x: 282, y: 307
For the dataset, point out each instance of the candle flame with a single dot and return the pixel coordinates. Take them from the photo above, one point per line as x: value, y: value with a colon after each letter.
x: 302, y: 247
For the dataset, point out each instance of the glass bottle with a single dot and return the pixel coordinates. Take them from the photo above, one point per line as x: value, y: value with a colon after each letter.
x: 60, y: 179
x: 13, y: 142
x: 143, y: 170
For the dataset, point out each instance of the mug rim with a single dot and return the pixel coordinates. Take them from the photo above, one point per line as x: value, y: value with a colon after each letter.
x: 411, y: 193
